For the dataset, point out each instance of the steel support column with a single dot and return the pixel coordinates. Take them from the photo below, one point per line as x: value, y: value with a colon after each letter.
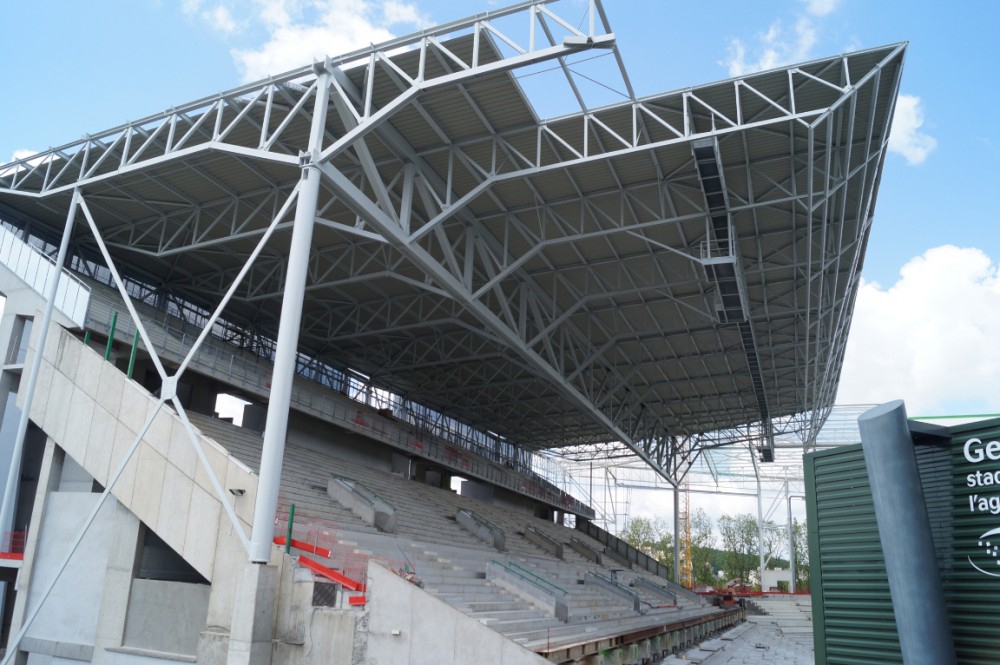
x: 925, y: 636
x: 14, y: 473
x: 283, y: 373
x: 760, y: 525
x: 677, y: 535
x: 791, y: 541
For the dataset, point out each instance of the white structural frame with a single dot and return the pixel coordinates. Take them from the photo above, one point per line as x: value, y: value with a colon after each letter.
x: 525, y: 270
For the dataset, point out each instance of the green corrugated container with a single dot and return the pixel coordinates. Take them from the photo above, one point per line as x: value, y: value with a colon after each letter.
x: 853, y: 621
x: 852, y: 608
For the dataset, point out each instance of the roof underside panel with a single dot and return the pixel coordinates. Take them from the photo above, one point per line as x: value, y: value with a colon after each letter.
x: 668, y: 266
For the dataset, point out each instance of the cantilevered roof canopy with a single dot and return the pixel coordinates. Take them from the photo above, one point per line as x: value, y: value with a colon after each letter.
x: 639, y: 273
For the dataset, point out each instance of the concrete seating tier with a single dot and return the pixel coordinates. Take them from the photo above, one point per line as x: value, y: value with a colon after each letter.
x: 301, y: 484
x: 450, y: 562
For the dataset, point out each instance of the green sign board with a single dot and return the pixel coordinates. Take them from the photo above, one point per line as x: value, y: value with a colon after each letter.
x: 960, y: 479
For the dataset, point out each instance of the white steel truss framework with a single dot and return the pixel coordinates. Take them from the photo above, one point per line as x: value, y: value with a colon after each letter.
x: 639, y: 277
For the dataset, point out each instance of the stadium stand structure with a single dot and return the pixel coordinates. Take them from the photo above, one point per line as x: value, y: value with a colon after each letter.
x: 378, y: 253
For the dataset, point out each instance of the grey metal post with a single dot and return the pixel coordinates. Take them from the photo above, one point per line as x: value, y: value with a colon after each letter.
x: 914, y: 581
x: 760, y: 527
x: 791, y: 542
x: 677, y: 535
x: 14, y: 473
x: 283, y: 373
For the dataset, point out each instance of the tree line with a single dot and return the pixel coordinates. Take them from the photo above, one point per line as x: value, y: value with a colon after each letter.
x: 725, y: 550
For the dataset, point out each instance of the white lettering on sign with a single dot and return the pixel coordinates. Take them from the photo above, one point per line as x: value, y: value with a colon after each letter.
x: 987, y: 558
x: 989, y: 555
x: 976, y: 452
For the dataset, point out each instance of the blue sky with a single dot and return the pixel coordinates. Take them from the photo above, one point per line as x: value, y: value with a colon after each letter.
x: 924, y: 335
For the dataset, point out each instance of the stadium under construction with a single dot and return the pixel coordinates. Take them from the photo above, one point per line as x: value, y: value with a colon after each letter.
x: 410, y: 278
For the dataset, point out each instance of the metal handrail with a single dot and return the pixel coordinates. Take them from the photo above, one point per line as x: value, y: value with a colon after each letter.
x: 480, y: 519
x: 539, y: 578
x: 534, y: 580
x: 362, y: 490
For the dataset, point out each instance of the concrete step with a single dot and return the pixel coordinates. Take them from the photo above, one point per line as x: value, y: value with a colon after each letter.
x: 504, y: 616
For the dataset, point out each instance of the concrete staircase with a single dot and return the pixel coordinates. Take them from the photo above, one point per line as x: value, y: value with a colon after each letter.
x: 792, y: 615
x: 451, y: 562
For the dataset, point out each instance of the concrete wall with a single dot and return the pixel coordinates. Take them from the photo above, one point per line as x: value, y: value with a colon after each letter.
x: 307, y: 635
x: 166, y: 616
x: 772, y: 577
x: 69, y: 615
x: 406, y: 624
x: 126, y: 657
x: 74, y: 477
x: 91, y: 410
x: 477, y: 490
x: 163, y: 484
x: 328, y: 439
x: 514, y: 502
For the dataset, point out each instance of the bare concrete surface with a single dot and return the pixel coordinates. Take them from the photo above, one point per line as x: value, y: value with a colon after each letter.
x: 783, y: 636
x: 763, y: 643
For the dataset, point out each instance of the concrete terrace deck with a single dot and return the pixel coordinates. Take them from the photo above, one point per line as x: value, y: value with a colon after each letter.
x: 783, y: 636
x: 449, y: 560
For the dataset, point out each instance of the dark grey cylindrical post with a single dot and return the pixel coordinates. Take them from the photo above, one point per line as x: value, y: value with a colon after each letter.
x: 914, y: 580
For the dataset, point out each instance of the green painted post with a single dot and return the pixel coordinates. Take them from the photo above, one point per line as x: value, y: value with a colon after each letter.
x: 86, y: 338
x: 111, y: 335
x: 131, y: 357
x: 288, y: 536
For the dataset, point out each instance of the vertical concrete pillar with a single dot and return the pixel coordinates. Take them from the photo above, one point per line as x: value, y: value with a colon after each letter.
x: 117, y: 584
x: 914, y: 580
x: 250, y: 640
x: 48, y: 481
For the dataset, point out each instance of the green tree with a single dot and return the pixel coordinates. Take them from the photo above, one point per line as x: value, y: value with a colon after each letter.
x: 775, y: 542
x: 702, y: 548
x: 652, y: 537
x: 740, y: 542
x: 800, y: 540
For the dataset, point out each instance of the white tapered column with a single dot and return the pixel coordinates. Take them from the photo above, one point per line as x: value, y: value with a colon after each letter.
x: 276, y: 426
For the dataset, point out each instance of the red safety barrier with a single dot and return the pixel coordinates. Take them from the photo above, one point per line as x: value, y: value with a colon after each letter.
x: 13, y: 543
x: 304, y: 546
x: 331, y: 574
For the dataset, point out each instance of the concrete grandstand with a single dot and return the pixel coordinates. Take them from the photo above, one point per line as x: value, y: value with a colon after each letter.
x: 416, y: 284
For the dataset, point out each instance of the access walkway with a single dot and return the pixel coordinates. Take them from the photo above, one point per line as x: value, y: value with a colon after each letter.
x: 782, y: 636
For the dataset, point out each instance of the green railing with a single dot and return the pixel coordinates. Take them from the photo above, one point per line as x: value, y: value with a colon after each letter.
x: 363, y: 491
x: 541, y: 581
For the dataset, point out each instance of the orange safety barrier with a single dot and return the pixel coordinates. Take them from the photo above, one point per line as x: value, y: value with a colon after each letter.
x: 331, y: 574
x: 301, y: 545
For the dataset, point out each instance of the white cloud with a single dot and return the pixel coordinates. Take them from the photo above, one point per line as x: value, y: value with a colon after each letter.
x: 930, y: 338
x: 23, y: 153
x: 218, y: 17
x: 221, y: 19
x: 301, y: 31
x: 821, y: 7
x: 906, y: 137
x: 774, y: 48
